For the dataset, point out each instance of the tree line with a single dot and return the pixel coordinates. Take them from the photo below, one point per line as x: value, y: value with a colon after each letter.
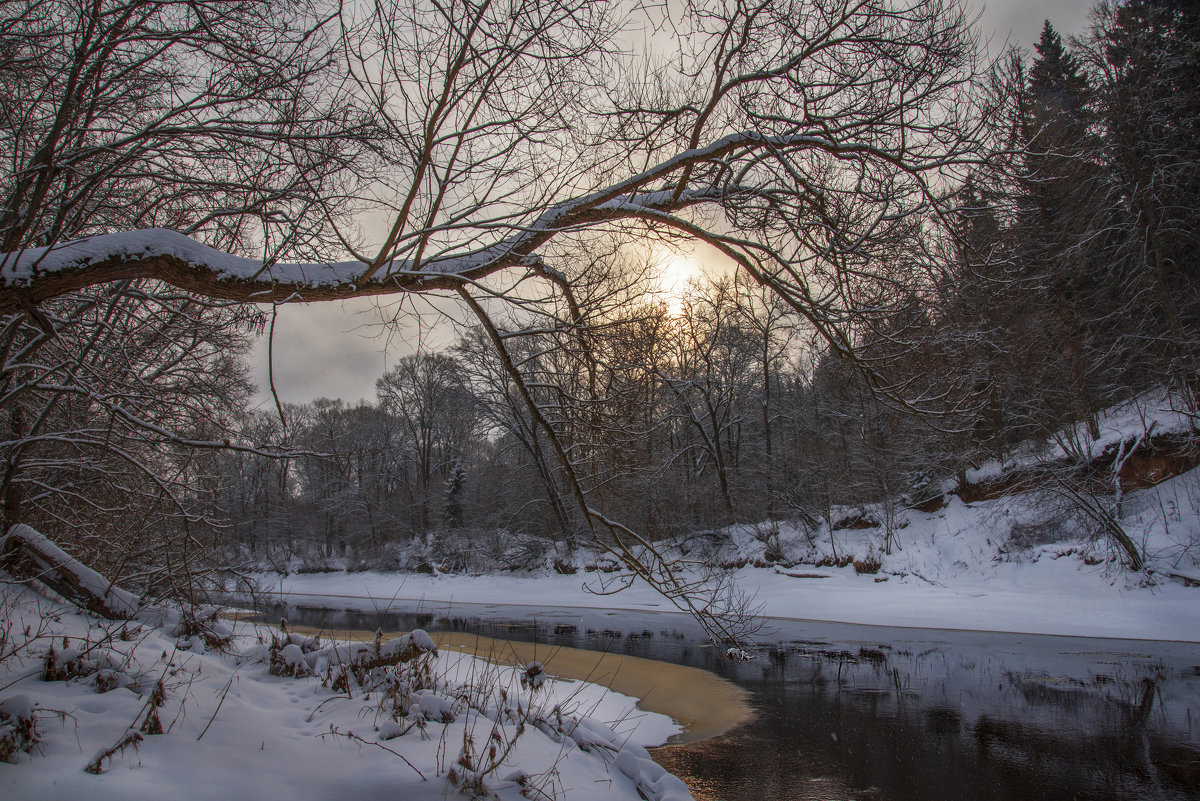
x: 1066, y: 284
x: 1075, y: 281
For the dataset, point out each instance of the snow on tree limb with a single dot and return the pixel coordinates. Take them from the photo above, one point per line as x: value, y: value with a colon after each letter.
x: 33, y: 275
x: 31, y: 555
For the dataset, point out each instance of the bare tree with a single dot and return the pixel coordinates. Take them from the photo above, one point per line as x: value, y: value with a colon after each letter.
x: 801, y: 138
x: 211, y: 118
x: 215, y: 119
x: 808, y: 128
x: 427, y: 395
x: 772, y: 333
x: 110, y: 425
x: 707, y: 377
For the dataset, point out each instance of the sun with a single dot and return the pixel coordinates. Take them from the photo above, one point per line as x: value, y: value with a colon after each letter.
x: 675, y: 272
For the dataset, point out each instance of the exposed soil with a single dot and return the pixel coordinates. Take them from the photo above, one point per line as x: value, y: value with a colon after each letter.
x: 1155, y: 461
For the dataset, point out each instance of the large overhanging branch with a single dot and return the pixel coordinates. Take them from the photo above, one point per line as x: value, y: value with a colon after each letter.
x: 35, y: 275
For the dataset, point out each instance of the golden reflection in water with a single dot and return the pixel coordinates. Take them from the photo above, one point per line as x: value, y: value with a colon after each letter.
x: 703, y: 703
x: 714, y: 770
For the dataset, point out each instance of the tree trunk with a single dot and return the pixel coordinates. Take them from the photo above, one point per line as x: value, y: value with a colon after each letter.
x: 31, y: 556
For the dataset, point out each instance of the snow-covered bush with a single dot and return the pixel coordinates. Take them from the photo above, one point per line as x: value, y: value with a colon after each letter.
x: 534, y: 676
x: 200, y: 627
x: 93, y: 660
x: 869, y: 564
x: 768, y: 534
x: 1024, y: 535
x: 18, y: 727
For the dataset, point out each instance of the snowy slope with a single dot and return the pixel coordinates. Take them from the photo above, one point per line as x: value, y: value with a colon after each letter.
x: 1154, y: 413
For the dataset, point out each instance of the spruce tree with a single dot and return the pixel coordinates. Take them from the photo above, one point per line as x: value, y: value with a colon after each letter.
x: 1150, y: 55
x: 1060, y: 195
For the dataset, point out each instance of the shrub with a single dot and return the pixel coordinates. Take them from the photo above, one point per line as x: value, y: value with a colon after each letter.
x: 868, y: 564
x: 769, y: 536
x: 856, y: 521
x: 18, y: 727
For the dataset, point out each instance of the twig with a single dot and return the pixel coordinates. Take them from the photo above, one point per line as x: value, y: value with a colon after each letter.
x: 317, y: 709
x: 349, y: 735
x: 224, y: 693
x: 131, y: 737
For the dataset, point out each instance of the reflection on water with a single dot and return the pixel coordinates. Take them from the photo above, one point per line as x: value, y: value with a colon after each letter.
x: 855, y: 712
x: 943, y: 723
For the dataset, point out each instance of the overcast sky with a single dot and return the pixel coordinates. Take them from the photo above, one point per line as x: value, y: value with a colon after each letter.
x: 338, y: 350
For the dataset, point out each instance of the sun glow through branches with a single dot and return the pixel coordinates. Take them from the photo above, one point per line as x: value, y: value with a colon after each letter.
x: 676, y: 271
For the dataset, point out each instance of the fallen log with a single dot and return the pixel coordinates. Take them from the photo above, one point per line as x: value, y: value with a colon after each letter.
x: 30, y: 556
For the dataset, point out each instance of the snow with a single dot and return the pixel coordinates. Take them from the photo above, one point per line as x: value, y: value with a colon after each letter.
x: 1154, y: 412
x: 422, y: 640
x: 956, y: 568
x: 250, y: 712
x: 653, y: 782
x: 17, y: 706
x: 152, y: 242
x: 117, y: 599
x: 234, y: 730
x: 1051, y: 596
x: 534, y: 675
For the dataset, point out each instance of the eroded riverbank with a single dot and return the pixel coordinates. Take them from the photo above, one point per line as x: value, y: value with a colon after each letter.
x: 703, y: 703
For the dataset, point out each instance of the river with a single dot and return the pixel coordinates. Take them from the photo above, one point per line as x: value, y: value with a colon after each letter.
x: 863, y: 712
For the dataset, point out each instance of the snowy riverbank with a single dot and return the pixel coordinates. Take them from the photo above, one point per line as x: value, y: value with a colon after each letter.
x: 1021, y: 563
x: 232, y: 728
x: 1048, y: 597
x: 995, y: 565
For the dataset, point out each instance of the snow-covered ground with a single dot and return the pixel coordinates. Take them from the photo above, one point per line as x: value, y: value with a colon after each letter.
x: 233, y: 729
x: 998, y: 565
x: 1046, y: 597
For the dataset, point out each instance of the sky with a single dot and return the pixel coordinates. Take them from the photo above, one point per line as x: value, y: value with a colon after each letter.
x: 338, y: 350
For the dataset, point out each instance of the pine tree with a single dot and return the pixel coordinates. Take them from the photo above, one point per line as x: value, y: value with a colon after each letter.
x: 1061, y: 195
x: 453, y: 512
x: 1150, y: 55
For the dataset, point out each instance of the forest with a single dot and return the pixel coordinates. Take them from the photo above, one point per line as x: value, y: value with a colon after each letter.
x: 815, y: 380
x: 933, y: 261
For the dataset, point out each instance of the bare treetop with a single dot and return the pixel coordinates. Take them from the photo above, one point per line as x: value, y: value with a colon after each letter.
x: 235, y: 149
x: 799, y: 138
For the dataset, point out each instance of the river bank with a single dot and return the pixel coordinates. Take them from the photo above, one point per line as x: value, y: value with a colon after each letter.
x: 215, y: 709
x: 701, y: 702
x: 1008, y: 564
x: 1049, y: 596
x: 863, y: 712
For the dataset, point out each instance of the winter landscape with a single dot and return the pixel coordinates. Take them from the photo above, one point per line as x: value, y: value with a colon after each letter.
x: 591, y: 399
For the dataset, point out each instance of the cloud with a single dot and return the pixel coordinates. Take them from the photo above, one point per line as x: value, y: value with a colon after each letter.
x: 1019, y: 22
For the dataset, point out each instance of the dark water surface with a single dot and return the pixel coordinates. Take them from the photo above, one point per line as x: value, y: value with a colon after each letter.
x: 864, y: 712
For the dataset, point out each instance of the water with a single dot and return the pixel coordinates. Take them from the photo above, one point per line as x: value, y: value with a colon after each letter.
x: 862, y: 712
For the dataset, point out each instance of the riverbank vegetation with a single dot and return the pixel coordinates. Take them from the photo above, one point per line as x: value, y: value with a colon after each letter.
x: 1058, y: 291
x: 137, y: 708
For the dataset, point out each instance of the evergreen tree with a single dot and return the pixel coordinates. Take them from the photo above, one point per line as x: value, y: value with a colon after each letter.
x: 1060, y: 196
x: 1149, y: 54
